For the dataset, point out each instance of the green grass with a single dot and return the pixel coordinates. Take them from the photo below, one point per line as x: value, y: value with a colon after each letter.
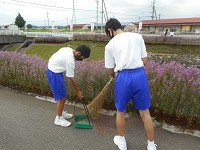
x: 13, y: 47
x: 46, y: 50
x: 97, y: 49
x: 173, y: 49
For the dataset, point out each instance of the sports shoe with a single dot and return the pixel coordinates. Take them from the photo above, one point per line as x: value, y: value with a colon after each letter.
x: 66, y: 115
x: 120, y: 142
x: 60, y: 121
x: 151, y: 146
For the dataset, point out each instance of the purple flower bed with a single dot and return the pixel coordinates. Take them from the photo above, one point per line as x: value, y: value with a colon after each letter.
x: 90, y: 37
x: 172, y: 40
x: 148, y: 39
x: 175, y: 88
x: 51, y: 39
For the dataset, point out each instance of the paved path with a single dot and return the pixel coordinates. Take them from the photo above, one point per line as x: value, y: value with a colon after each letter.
x: 26, y: 123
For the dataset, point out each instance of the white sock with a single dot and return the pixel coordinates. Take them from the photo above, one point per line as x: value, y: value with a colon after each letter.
x: 58, y: 117
x: 151, y: 142
x: 121, y: 137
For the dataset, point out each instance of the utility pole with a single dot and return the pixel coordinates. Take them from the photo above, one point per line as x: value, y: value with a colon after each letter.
x: 102, y: 16
x: 48, y: 18
x: 97, y: 15
x: 44, y: 23
x: 105, y: 14
x: 67, y: 23
x: 153, y: 11
x: 73, y: 14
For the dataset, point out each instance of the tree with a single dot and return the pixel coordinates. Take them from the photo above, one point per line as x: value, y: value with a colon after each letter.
x: 19, y: 21
x: 29, y: 26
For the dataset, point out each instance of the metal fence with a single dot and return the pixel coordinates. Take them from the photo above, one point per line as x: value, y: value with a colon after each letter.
x: 35, y: 34
x: 70, y: 34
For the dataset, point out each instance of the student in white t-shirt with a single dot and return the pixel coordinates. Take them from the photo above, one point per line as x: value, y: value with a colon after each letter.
x: 171, y: 33
x: 64, y: 61
x: 125, y: 57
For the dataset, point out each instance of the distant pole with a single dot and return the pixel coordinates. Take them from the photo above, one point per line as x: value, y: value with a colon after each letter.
x: 154, y: 15
x: 44, y: 23
x: 73, y: 13
x: 67, y: 23
x: 97, y: 15
x: 48, y: 18
x: 102, y: 16
x: 105, y: 14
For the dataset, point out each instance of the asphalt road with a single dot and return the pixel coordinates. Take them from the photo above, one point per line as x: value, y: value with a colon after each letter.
x: 26, y: 123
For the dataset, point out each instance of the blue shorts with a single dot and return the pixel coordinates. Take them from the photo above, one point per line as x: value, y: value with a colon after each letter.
x: 57, y: 84
x: 131, y: 84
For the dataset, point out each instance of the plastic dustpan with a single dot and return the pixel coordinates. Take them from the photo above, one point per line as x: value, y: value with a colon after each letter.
x: 82, y: 121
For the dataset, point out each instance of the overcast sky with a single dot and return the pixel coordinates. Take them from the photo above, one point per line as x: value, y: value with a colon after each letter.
x: 44, y: 12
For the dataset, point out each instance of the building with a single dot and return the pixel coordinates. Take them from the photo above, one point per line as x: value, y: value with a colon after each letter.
x: 78, y: 26
x: 129, y: 27
x: 178, y: 25
x: 11, y: 27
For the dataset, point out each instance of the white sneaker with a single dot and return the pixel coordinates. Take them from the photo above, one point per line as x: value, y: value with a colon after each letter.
x: 151, y: 146
x: 66, y: 115
x: 60, y: 121
x: 120, y: 142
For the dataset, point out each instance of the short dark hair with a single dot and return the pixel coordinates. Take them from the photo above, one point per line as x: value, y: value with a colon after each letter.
x: 84, y: 49
x: 113, y: 24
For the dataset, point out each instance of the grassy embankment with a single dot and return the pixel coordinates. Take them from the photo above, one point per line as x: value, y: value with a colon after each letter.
x: 97, y: 49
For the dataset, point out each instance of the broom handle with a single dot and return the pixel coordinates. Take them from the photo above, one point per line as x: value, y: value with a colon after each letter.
x: 110, y: 80
x: 86, y: 110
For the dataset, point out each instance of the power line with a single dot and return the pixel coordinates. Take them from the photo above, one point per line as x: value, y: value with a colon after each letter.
x: 44, y: 5
x: 60, y: 8
x: 31, y: 6
x: 55, y: 7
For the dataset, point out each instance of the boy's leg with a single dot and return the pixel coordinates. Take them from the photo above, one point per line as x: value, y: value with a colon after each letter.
x: 60, y: 120
x: 60, y: 106
x: 119, y: 139
x: 120, y: 122
x: 148, y: 124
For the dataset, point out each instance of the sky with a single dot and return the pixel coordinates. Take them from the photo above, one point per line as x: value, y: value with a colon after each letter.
x: 60, y: 12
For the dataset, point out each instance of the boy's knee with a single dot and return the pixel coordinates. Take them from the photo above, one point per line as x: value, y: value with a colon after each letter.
x: 145, y: 114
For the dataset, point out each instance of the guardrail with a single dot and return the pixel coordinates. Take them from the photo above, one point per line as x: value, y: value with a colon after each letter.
x: 70, y: 34
x: 35, y: 34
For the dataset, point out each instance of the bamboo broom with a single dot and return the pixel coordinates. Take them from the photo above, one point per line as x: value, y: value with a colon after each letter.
x: 97, y: 103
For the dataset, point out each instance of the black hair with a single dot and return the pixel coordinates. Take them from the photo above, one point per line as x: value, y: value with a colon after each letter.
x: 84, y: 49
x: 113, y: 24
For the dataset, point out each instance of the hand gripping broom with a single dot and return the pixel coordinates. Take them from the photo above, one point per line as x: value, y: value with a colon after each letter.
x: 97, y: 103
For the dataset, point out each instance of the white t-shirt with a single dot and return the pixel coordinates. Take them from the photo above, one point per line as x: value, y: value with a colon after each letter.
x: 62, y: 61
x: 171, y: 33
x: 125, y: 50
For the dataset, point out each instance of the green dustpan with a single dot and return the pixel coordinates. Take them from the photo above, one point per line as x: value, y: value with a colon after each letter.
x: 80, y: 119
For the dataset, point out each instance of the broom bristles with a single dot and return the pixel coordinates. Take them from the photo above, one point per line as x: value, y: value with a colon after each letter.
x: 97, y: 103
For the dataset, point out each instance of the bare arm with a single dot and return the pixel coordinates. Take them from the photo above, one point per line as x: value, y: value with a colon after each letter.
x: 144, y: 60
x: 78, y: 92
x: 111, y: 72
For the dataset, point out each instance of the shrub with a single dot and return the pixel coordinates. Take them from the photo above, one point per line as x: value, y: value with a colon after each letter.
x: 175, y: 88
x: 23, y: 72
x: 90, y: 37
x: 172, y: 40
x: 148, y: 39
x: 51, y: 39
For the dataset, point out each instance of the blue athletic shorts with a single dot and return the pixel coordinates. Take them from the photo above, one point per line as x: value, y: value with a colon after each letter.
x: 57, y: 84
x: 131, y: 84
